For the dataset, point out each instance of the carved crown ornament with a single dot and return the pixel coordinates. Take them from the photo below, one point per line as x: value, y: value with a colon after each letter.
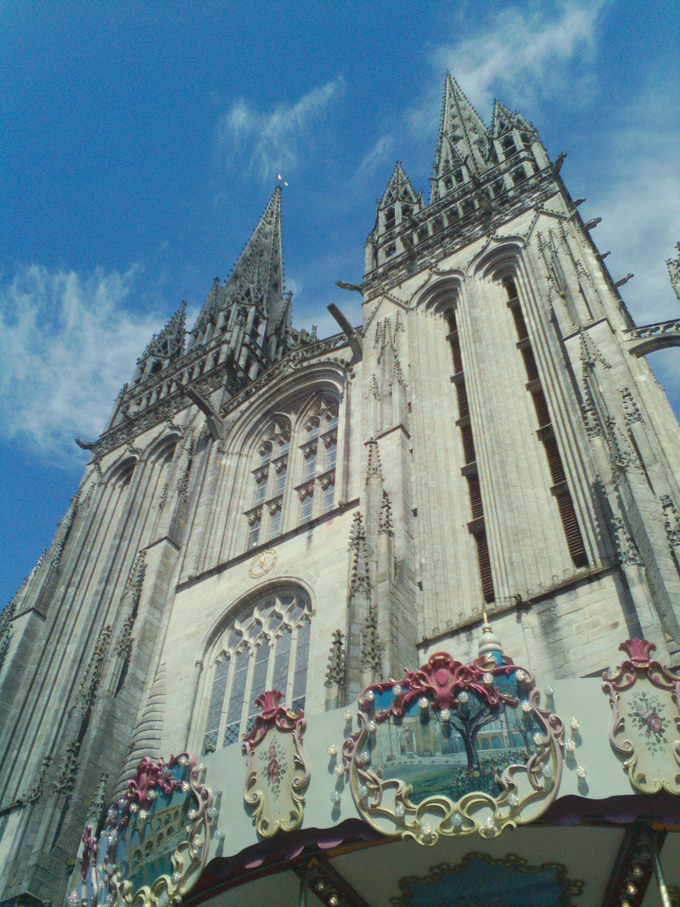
x: 645, y: 728
x: 155, y: 843
x: 454, y: 749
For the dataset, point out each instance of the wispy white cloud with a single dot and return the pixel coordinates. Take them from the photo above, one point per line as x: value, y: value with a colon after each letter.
x: 641, y: 224
x: 637, y: 195
x: 527, y: 49
x: 274, y: 142
x: 294, y: 285
x: 375, y: 157
x: 638, y: 198
x: 67, y: 344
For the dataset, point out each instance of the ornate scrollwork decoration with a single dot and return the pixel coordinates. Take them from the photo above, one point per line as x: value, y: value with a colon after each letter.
x: 454, y: 749
x: 645, y: 701
x: 278, y: 772
x: 162, y: 820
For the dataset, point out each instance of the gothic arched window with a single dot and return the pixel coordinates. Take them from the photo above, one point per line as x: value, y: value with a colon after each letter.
x: 477, y: 525
x: 271, y: 507
x: 266, y: 647
x: 269, y: 483
x: 319, y: 456
x: 122, y: 473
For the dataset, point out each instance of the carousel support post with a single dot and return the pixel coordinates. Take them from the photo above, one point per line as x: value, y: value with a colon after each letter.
x: 663, y: 889
x: 304, y: 887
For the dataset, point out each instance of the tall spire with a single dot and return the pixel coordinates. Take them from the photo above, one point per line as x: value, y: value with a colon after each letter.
x: 257, y: 276
x: 462, y: 131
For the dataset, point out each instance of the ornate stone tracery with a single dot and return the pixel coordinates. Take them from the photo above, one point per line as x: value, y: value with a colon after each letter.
x: 268, y: 631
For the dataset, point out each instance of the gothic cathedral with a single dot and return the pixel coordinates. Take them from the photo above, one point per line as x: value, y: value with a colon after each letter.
x: 267, y: 510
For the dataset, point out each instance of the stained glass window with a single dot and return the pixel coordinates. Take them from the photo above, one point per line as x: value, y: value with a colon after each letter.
x: 255, y: 659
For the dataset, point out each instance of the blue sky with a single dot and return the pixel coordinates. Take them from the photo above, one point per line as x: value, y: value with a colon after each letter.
x: 140, y: 142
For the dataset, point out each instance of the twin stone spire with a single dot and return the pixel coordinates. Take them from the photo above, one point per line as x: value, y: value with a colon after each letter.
x: 477, y: 170
x: 464, y: 140
x: 253, y: 295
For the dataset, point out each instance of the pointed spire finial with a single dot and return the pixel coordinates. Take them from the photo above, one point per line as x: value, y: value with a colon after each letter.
x: 489, y: 644
x: 335, y: 671
x: 400, y: 188
x: 462, y: 124
x: 373, y: 466
x: 359, y: 575
x: 463, y: 144
x: 257, y: 276
x: 371, y: 647
x: 168, y: 344
x: 504, y: 119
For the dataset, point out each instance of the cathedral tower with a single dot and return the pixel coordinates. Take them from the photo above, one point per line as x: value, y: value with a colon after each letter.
x: 491, y: 439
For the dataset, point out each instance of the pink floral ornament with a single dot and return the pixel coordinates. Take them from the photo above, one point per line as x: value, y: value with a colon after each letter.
x: 654, y: 723
x: 442, y: 679
x: 89, y: 860
x: 278, y: 773
x: 149, y: 776
x: 645, y: 731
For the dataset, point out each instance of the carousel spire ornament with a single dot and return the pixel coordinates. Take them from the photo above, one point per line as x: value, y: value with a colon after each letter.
x: 489, y: 645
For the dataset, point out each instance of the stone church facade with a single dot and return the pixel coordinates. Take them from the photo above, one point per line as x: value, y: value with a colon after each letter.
x: 269, y: 510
